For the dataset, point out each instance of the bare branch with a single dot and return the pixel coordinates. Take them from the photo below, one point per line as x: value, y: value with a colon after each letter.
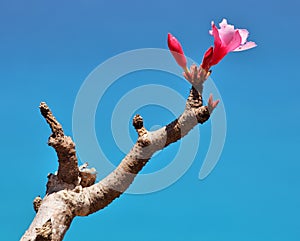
x: 111, y: 187
x: 53, y: 218
x: 64, y: 146
x: 72, y: 191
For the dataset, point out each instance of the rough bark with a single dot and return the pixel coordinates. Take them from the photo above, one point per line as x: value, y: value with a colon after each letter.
x: 72, y: 192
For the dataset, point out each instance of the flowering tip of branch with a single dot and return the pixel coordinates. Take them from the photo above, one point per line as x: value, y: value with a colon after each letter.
x: 177, y: 51
x: 226, y: 39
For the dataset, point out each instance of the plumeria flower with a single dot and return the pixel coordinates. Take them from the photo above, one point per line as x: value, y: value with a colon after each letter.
x: 177, y: 52
x: 226, y: 39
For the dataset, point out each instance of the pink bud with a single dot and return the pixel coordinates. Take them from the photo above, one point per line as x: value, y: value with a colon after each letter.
x: 176, y: 50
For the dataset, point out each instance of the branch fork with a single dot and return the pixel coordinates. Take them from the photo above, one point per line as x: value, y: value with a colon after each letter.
x: 73, y: 192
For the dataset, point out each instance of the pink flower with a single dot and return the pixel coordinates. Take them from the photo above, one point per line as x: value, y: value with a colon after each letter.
x: 177, y: 51
x: 207, y: 58
x: 226, y: 39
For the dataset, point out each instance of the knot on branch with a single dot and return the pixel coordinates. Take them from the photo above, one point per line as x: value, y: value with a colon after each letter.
x: 45, y: 232
x: 37, y: 203
x: 144, y: 141
x: 138, y: 124
x: 202, y: 114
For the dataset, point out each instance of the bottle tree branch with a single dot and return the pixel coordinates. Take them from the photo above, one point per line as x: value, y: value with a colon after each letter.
x: 68, y: 170
x: 72, y: 191
x: 147, y: 144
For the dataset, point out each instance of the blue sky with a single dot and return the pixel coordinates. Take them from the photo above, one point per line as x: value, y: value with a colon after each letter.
x: 48, y: 49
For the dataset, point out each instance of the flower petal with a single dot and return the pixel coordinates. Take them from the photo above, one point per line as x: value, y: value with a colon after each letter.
x: 224, y: 24
x: 235, y: 42
x: 244, y: 34
x: 248, y: 45
x: 226, y: 35
x: 207, y: 58
x: 219, y: 50
x: 226, y: 32
x: 215, y: 32
x: 218, y: 54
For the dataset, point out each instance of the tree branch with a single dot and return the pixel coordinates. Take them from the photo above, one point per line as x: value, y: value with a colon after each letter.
x: 72, y: 191
x: 68, y: 170
x: 111, y: 187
